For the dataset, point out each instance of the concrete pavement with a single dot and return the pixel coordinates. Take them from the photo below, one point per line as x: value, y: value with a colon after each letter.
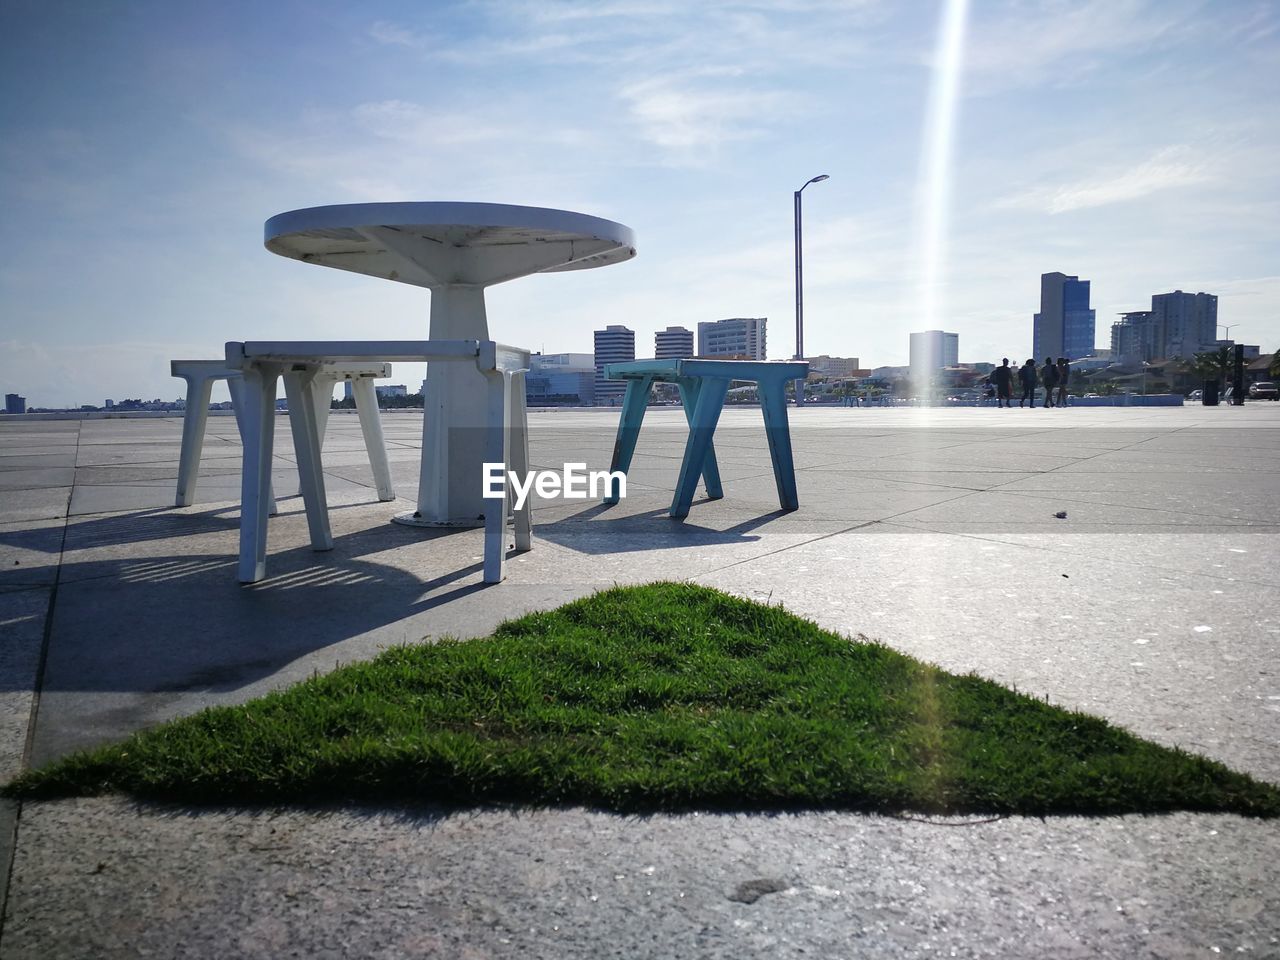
x: 1154, y: 603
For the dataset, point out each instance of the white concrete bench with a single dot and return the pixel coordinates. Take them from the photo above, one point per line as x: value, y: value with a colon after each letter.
x: 200, y: 376
x: 262, y: 363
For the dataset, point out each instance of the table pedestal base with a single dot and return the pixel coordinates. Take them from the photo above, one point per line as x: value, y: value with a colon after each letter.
x: 416, y: 519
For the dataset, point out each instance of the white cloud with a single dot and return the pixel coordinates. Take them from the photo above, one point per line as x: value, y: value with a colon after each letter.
x: 1059, y: 42
x: 693, y: 114
x: 1170, y: 167
x: 393, y: 34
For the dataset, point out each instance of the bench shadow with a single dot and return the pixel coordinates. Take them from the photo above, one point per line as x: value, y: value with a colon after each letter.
x: 142, y: 634
x: 593, y: 531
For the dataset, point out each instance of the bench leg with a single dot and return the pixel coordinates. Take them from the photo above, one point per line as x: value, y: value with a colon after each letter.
x: 624, y: 446
x: 689, y: 390
x: 235, y: 386
x: 322, y: 397
x: 706, y: 414
x: 194, y: 419
x: 773, y: 402
x: 519, y: 425
x: 371, y: 426
x: 497, y: 450
x: 306, y: 446
x: 257, y: 424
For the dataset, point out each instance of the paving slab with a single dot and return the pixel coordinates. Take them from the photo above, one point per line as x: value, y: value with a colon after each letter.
x: 41, y: 503
x: 34, y: 478
x: 1152, y: 604
x: 30, y: 553
x: 575, y: 883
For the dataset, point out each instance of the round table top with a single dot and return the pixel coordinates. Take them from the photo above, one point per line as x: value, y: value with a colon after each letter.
x: 435, y: 244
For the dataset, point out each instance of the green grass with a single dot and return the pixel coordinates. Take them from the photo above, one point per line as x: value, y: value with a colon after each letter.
x: 662, y: 697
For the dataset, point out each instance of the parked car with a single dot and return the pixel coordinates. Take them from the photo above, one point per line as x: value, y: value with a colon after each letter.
x: 1264, y: 390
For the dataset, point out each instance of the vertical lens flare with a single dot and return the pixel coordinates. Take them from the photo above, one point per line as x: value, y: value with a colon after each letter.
x: 927, y: 581
x: 934, y: 189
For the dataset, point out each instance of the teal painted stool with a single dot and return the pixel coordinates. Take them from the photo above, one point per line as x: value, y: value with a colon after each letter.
x: 703, y: 385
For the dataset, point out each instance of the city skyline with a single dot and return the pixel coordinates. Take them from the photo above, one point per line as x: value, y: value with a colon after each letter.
x: 146, y: 146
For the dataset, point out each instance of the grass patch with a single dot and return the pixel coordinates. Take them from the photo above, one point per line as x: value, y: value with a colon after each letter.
x: 662, y: 697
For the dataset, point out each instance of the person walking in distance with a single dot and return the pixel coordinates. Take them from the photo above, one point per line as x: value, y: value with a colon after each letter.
x: 1064, y: 374
x: 1003, y: 377
x: 1027, y: 377
x: 1049, y: 377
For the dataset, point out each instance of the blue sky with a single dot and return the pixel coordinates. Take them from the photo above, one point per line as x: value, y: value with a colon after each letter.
x: 143, y: 144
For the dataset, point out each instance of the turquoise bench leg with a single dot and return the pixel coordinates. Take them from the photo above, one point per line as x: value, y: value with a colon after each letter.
x: 706, y: 414
x: 773, y: 402
x: 633, y: 407
x: 689, y: 389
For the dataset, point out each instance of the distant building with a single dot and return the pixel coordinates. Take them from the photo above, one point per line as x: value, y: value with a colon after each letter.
x: 931, y: 351
x: 1251, y: 350
x: 1186, y: 323
x: 561, y: 379
x: 831, y: 367
x: 890, y: 373
x: 742, y: 337
x: 673, y: 343
x: 14, y: 403
x: 1064, y: 327
x: 111, y: 404
x: 614, y: 344
x: 390, y: 390
x: 1133, y: 336
x: 1177, y: 325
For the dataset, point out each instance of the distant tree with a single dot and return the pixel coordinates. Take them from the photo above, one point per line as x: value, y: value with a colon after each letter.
x: 1274, y: 369
x: 1213, y: 364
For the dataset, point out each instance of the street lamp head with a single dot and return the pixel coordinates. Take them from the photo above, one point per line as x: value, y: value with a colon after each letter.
x: 819, y: 178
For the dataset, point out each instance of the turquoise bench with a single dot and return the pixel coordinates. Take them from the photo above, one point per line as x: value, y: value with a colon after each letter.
x: 703, y: 385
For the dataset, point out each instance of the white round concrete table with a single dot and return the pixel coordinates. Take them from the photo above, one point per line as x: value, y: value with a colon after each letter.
x: 455, y: 250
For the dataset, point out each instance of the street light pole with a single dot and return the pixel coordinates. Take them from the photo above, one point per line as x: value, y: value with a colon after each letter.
x: 800, y: 285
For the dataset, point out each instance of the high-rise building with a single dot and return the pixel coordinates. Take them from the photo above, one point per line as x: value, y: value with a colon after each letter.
x: 673, y: 343
x: 931, y: 350
x: 1133, y: 336
x: 742, y: 337
x: 1177, y: 325
x: 1186, y: 323
x: 614, y: 344
x: 1064, y: 327
x: 14, y: 403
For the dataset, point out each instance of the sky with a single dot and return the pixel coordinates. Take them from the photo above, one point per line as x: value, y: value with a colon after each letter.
x: 1133, y: 143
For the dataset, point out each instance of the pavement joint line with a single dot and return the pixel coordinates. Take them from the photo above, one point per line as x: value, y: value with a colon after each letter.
x: 22, y: 587
x: 771, y: 553
x: 1050, y: 548
x: 1051, y: 496
x: 9, y: 827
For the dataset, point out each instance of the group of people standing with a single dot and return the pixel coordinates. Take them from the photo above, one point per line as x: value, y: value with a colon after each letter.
x: 1053, y: 376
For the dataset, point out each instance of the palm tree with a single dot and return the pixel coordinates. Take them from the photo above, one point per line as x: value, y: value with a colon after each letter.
x: 1213, y: 364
